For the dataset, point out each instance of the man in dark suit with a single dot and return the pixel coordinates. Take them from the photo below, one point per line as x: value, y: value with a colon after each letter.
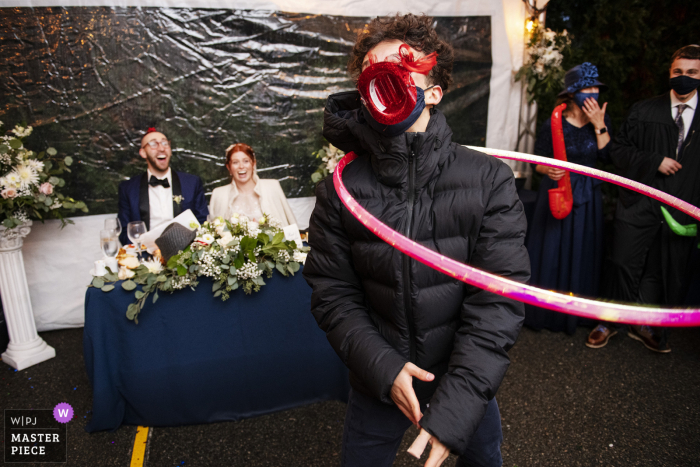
x: 159, y: 194
x: 658, y: 145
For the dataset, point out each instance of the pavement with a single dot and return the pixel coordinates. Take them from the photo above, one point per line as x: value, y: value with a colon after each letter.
x: 562, y: 404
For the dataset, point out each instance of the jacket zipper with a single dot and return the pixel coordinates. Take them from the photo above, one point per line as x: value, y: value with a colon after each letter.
x: 406, y: 259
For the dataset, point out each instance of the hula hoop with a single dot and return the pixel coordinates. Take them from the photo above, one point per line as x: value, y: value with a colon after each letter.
x: 594, y: 309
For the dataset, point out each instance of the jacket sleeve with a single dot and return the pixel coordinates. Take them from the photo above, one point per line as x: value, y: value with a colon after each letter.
x: 489, y: 324
x: 199, y: 205
x: 634, y: 163
x: 124, y: 213
x: 338, y: 299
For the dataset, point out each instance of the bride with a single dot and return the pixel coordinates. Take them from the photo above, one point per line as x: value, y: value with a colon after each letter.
x: 247, y: 194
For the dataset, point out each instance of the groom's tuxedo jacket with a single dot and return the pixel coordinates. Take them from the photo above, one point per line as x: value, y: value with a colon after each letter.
x: 134, y: 203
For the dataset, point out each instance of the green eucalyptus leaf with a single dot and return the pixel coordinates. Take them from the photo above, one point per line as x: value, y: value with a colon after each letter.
x: 281, y: 268
x: 51, y: 152
x: 68, y: 160
x: 181, y: 270
x: 108, y: 288
x: 216, y: 286
x: 218, y: 293
x: 129, y: 285
x: 15, y: 143
x: 155, y: 296
x: 98, y: 282
x: 132, y: 311
x: 139, y: 294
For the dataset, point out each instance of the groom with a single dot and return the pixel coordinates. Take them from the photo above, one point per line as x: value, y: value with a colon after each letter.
x: 159, y: 194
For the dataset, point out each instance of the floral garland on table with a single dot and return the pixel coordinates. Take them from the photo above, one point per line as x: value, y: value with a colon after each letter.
x: 542, y: 70
x: 330, y: 155
x: 29, y: 182
x: 233, y: 253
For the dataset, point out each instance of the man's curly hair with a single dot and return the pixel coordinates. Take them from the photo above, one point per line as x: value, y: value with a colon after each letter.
x: 416, y: 31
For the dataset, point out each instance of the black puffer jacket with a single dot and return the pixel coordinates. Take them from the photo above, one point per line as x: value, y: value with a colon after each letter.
x: 381, y: 309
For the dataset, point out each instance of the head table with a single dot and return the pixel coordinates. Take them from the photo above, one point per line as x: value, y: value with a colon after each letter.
x: 193, y: 358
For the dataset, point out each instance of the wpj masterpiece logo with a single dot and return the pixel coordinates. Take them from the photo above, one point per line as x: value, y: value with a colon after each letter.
x: 37, y: 435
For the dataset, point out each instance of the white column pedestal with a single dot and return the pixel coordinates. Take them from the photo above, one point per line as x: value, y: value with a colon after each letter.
x: 26, y: 348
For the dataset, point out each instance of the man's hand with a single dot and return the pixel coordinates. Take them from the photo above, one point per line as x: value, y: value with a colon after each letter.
x: 669, y: 166
x: 438, y: 451
x: 402, y: 392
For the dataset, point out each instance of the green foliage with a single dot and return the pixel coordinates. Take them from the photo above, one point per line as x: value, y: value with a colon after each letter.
x: 29, y: 183
x: 233, y: 253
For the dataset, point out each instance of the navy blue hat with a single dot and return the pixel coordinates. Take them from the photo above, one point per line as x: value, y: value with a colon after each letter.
x: 580, y: 77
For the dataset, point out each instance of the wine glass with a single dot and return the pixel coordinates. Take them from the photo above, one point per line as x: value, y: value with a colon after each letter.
x: 134, y: 231
x: 109, y: 243
x: 114, y: 224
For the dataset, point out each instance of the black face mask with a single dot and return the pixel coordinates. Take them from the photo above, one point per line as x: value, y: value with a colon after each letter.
x: 683, y: 84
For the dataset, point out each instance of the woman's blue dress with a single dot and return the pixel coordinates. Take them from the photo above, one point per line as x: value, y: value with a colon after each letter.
x: 566, y: 255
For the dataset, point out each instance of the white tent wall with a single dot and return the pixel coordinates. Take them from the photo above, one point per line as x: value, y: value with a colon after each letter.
x: 58, y: 261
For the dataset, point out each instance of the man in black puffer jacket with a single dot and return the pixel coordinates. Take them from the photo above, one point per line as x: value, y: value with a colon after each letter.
x: 390, y: 318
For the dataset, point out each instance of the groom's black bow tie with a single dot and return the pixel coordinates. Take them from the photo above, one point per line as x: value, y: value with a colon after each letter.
x: 153, y: 181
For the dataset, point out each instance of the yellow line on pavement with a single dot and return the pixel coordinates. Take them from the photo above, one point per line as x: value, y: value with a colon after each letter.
x: 138, y: 455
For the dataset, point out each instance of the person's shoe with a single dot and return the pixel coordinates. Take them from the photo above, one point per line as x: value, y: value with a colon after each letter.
x: 649, y: 338
x: 599, y: 337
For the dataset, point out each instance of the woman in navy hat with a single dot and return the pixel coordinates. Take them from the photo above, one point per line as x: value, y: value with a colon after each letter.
x: 566, y: 254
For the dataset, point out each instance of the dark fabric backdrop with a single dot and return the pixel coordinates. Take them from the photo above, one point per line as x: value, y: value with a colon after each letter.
x: 91, y: 80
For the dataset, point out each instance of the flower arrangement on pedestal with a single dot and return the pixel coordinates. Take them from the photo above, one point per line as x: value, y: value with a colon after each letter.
x: 329, y: 155
x: 542, y: 71
x: 29, y: 182
x: 234, y: 253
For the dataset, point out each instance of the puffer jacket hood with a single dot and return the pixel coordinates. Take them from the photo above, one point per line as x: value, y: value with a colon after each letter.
x: 381, y: 309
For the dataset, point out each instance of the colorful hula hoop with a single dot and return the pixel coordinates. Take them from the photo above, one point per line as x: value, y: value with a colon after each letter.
x: 594, y: 309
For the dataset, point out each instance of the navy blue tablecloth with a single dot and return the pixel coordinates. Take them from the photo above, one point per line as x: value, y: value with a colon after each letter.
x: 195, y: 359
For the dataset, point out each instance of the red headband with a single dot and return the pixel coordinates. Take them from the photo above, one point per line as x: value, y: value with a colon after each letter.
x: 151, y: 130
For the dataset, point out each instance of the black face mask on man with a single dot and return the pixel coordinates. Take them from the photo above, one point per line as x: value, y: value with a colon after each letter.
x: 684, y: 85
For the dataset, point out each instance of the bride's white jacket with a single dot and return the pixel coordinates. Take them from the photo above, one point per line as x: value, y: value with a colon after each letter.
x: 272, y: 200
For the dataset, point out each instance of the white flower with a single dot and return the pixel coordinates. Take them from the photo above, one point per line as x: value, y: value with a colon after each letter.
x: 225, y: 239
x: 21, y: 132
x: 220, y: 229
x: 154, y: 266
x: 207, y: 239
x: 12, y: 180
x: 218, y: 221
x: 330, y: 165
x: 178, y: 199
x: 27, y: 176
x: 283, y: 256
x: 125, y: 273
x: 21, y: 215
x: 263, y: 219
x: 35, y: 164
x: 299, y: 257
